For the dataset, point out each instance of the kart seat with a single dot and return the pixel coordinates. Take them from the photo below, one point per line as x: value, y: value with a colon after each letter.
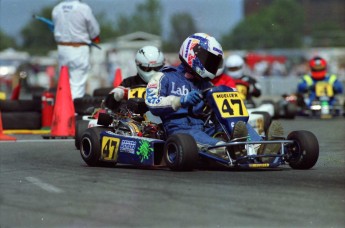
x: 137, y: 105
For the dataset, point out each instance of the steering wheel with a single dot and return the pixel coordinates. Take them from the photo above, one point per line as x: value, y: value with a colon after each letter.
x: 207, y: 111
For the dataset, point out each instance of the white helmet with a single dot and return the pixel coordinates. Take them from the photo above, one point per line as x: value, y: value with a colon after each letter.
x: 234, y: 66
x: 149, y: 60
x: 202, y: 55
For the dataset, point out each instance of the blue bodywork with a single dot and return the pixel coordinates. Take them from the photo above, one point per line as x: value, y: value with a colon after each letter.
x: 131, y: 149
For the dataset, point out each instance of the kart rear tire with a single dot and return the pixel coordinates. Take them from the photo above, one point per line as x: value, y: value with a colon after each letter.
x: 180, y: 152
x: 304, y: 152
x: 80, y: 127
x: 90, y: 146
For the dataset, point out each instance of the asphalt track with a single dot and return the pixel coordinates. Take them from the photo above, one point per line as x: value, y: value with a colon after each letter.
x: 45, y: 183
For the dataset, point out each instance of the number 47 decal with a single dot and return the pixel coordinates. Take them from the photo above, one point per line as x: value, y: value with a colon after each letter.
x: 110, y: 148
x: 230, y: 104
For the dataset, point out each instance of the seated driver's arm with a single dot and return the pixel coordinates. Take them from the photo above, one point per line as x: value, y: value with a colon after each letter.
x: 158, y: 99
x: 120, y: 93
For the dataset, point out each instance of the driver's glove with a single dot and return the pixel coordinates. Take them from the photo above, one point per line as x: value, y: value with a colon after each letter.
x: 191, y: 99
x: 119, y: 93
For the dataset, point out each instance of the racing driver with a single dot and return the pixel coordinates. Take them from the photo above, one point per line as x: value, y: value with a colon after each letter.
x: 171, y: 92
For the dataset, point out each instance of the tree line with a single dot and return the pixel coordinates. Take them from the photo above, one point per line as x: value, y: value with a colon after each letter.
x: 279, y: 25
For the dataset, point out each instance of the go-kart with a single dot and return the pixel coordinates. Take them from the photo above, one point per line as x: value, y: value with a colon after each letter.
x: 320, y: 104
x: 140, y: 143
x: 276, y: 109
x: 260, y: 118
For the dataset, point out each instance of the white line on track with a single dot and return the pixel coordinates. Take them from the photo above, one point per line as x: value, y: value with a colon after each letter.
x: 43, y: 185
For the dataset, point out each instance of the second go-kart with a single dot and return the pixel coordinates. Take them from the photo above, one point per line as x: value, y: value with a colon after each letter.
x: 129, y: 141
x: 321, y: 106
x: 276, y: 109
x: 322, y: 103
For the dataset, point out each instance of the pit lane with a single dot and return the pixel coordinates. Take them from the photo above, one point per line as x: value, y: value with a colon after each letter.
x: 45, y: 183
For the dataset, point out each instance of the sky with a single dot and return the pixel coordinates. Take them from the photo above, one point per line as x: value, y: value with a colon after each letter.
x: 214, y: 17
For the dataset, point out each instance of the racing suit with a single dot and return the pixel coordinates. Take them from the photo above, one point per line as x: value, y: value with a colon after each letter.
x: 307, y: 85
x: 110, y: 103
x: 135, y: 80
x: 163, y: 96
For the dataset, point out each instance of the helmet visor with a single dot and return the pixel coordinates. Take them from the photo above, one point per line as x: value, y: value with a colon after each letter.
x: 318, y: 74
x: 148, y: 68
x: 234, y: 68
x: 210, y: 61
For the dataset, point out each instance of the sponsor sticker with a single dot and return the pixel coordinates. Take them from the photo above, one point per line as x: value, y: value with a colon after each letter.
x: 264, y: 165
x: 128, y: 146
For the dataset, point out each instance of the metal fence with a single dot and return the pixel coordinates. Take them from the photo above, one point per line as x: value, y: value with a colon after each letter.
x: 278, y: 85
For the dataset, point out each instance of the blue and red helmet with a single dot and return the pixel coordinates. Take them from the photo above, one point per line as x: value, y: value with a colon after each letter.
x: 202, y: 55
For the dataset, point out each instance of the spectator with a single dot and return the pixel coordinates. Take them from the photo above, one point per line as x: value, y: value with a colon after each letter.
x: 75, y: 28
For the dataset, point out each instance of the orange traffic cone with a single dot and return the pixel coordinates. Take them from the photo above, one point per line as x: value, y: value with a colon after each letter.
x: 63, y: 122
x: 117, y: 77
x: 4, y: 137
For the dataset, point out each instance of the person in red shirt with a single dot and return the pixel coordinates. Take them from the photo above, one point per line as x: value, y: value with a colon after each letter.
x: 245, y: 84
x: 223, y: 79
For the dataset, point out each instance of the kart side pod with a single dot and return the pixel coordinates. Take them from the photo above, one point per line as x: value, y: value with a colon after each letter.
x: 99, y: 146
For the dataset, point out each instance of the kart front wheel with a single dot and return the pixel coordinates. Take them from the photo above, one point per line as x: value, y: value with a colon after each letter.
x: 80, y: 127
x: 180, y: 152
x: 304, y: 152
x: 90, y: 146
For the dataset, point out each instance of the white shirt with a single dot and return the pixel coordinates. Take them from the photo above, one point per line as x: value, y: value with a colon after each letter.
x: 74, y: 22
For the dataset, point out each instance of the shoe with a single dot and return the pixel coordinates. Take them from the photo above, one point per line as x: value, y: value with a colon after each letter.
x: 240, y: 131
x: 275, y: 130
x: 239, y: 134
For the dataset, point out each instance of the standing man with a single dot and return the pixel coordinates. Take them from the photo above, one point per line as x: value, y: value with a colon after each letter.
x: 75, y: 28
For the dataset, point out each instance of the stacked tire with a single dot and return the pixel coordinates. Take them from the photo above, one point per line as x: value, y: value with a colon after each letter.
x: 85, y: 105
x: 21, y: 114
